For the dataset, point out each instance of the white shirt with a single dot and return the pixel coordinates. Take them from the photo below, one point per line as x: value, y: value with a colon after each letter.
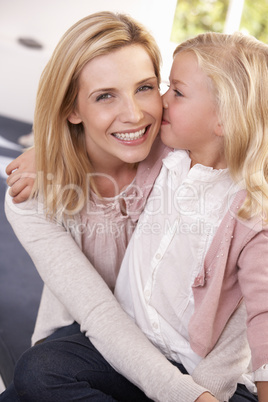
x: 167, y: 252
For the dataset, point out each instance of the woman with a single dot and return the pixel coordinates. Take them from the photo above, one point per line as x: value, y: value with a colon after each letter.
x: 98, y: 113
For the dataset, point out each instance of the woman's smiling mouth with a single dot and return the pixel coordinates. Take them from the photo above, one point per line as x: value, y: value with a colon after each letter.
x: 130, y: 136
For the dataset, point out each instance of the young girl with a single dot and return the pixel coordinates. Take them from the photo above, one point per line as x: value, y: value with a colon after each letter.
x: 208, y: 208
x: 99, y: 93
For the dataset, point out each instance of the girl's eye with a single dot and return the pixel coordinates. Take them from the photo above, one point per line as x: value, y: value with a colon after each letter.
x: 177, y: 93
x: 103, y: 97
x: 145, y: 88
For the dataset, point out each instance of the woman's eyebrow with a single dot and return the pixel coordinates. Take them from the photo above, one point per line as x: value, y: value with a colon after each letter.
x: 146, y: 79
x: 101, y: 90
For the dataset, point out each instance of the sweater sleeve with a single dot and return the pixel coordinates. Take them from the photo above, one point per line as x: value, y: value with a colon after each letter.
x: 74, y: 281
x: 222, y: 368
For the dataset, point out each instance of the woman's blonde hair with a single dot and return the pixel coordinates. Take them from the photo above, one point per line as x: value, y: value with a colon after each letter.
x: 237, y: 65
x: 61, y: 155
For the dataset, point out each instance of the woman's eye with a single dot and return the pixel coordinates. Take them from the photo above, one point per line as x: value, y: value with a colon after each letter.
x: 145, y: 88
x: 103, y: 97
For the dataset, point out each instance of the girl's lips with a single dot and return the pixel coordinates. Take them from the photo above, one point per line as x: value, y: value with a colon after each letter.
x: 164, y: 122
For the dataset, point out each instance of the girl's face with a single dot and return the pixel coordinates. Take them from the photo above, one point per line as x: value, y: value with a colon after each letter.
x: 190, y: 119
x: 119, y: 106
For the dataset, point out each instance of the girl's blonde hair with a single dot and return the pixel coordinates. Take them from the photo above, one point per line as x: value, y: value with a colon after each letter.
x: 61, y: 155
x: 237, y: 65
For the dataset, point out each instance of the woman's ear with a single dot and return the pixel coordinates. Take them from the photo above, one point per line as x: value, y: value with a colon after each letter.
x: 74, y: 118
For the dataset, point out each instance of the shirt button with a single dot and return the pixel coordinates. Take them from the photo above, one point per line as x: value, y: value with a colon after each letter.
x: 155, y: 325
x: 158, y: 256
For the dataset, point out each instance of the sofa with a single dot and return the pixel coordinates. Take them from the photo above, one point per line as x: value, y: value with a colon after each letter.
x: 20, y: 284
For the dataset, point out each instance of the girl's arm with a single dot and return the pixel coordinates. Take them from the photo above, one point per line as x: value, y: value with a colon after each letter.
x: 253, y: 281
x: 74, y: 281
x: 21, y: 175
x: 222, y: 368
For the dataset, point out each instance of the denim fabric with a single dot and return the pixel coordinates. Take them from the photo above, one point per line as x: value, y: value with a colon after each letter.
x: 67, y: 367
x: 243, y: 395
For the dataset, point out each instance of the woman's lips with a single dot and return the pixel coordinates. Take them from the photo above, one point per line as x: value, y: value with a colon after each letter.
x: 135, y: 135
x: 133, y: 138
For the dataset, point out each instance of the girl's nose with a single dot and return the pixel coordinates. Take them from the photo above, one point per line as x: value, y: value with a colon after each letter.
x: 165, y: 104
x: 164, y: 100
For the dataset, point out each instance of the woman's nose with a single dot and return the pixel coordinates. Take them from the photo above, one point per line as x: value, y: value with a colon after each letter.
x: 131, y: 112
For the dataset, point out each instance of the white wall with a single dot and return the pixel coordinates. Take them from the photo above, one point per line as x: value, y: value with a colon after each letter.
x: 46, y: 21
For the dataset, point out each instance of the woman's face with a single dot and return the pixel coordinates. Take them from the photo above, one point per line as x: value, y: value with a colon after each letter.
x: 119, y: 106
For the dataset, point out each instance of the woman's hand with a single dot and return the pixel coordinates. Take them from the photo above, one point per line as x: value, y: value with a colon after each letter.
x: 206, y: 397
x: 262, y: 387
x: 21, y: 176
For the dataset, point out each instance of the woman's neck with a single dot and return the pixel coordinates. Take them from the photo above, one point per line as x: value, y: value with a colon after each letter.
x: 111, y: 182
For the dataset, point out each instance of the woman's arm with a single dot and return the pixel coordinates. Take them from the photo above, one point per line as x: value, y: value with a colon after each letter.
x: 75, y: 282
x: 262, y: 387
x: 21, y: 175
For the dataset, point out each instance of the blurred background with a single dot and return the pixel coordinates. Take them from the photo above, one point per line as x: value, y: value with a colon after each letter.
x: 196, y: 16
x: 29, y: 31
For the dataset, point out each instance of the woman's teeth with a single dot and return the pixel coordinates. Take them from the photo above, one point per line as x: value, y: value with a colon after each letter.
x: 130, y: 136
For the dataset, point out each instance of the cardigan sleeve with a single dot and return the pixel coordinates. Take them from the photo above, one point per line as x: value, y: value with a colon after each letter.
x: 221, y: 369
x: 74, y: 281
x: 253, y: 280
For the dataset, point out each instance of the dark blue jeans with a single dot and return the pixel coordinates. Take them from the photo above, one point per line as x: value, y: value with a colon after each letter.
x: 67, y: 367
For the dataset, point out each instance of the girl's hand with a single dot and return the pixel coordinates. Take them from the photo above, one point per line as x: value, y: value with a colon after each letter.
x: 21, y: 175
x: 206, y: 397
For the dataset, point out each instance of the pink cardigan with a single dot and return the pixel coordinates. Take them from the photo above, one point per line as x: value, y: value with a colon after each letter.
x: 236, y: 266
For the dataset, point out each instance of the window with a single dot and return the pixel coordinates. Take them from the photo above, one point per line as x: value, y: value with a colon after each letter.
x: 196, y: 16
